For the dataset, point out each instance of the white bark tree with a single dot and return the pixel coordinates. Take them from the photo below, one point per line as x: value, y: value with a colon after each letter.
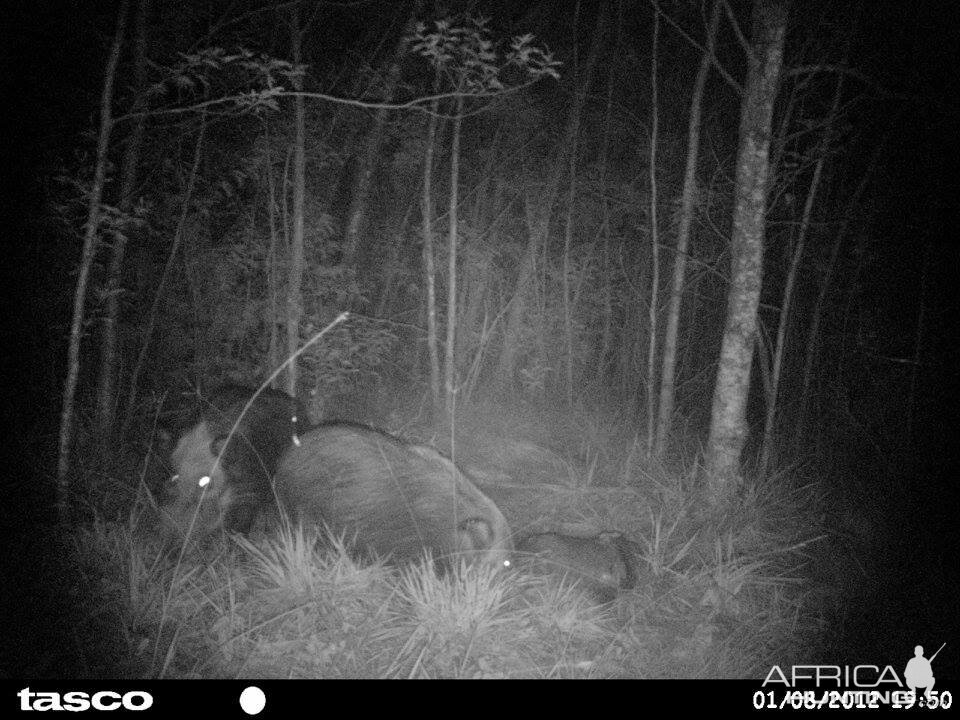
x: 728, y: 429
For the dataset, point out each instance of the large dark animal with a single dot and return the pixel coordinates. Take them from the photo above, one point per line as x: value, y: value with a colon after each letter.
x: 602, y: 565
x: 390, y: 499
x: 224, y: 462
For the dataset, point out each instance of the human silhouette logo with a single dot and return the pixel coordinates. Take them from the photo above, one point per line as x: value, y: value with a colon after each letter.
x: 919, y: 672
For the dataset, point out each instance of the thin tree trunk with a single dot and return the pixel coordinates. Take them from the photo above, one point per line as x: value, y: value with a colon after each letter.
x: 567, y: 243
x: 607, y: 276
x: 540, y: 227
x: 606, y: 281
x: 449, y: 359
x: 668, y: 369
x: 273, y: 352
x: 476, y: 277
x: 506, y: 363
x: 787, y: 301
x: 781, y: 140
x: 629, y: 332
x: 728, y: 429
x: 814, y: 332
x: 108, y: 378
x: 394, y: 263
x: 295, y: 265
x: 86, y: 263
x: 429, y: 267
x: 654, y: 238
x: 372, y: 144
x: 167, y: 269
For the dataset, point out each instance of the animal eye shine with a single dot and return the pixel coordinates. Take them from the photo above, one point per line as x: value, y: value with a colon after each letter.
x: 204, y: 481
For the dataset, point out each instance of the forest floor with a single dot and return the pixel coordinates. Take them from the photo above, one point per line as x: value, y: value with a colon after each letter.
x: 714, y: 594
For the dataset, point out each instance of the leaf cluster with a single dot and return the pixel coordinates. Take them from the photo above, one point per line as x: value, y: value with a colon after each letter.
x: 463, y: 50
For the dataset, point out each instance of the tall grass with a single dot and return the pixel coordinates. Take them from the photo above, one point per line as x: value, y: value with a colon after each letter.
x: 720, y: 593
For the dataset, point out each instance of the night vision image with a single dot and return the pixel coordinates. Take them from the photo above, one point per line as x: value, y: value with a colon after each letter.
x: 481, y: 339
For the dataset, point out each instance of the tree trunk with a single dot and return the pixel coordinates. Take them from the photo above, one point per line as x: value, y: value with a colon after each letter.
x: 813, y: 334
x: 654, y: 238
x: 108, y: 378
x: 449, y: 359
x: 371, y: 147
x: 295, y: 266
x: 785, y: 305
x: 606, y: 277
x: 167, y: 269
x: 668, y: 368
x: 606, y: 280
x: 273, y: 351
x: 540, y: 227
x: 429, y: 267
x: 86, y: 263
x: 728, y: 428
x: 567, y: 244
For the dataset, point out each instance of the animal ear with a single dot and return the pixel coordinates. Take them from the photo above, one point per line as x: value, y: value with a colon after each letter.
x: 475, y: 534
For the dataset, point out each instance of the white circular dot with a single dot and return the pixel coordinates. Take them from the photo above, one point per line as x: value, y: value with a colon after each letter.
x: 252, y: 700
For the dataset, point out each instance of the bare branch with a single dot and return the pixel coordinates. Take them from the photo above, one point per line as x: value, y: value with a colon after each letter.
x: 744, y: 43
x: 727, y: 77
x: 420, y: 104
x: 849, y: 72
